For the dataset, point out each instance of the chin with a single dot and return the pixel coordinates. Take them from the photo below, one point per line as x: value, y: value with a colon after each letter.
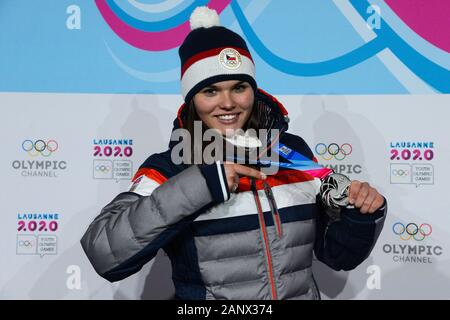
x: 230, y: 129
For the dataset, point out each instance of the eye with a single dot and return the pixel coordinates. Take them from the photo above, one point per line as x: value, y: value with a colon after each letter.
x: 209, y: 91
x: 240, y: 87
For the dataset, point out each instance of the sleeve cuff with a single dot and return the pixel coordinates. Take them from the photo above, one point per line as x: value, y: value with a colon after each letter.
x: 216, y: 181
x: 355, y: 215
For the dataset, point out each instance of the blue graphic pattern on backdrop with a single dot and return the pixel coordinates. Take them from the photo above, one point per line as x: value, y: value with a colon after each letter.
x: 329, y: 58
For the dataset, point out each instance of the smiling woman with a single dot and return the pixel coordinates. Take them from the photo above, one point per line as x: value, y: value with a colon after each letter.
x: 230, y: 230
x: 225, y: 106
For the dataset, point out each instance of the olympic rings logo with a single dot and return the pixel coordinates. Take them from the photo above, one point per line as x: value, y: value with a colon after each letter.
x: 40, y: 147
x: 333, y: 150
x: 102, y: 168
x: 400, y: 173
x: 26, y: 243
x: 411, y: 230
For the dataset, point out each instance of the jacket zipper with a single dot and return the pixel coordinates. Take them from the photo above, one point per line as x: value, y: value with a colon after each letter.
x: 265, y: 238
x: 273, y: 209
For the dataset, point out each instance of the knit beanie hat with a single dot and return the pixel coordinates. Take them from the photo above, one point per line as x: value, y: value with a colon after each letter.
x: 212, y: 53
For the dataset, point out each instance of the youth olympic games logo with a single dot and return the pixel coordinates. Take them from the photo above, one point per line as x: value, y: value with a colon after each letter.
x: 400, y: 172
x: 103, y: 168
x: 25, y: 243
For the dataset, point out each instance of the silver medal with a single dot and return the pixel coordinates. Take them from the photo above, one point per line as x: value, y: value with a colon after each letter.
x: 334, y: 190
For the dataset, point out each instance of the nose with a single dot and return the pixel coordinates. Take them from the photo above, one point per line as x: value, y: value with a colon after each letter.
x: 227, y: 101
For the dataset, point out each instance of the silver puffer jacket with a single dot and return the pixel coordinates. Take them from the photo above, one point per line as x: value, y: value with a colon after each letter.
x: 257, y: 243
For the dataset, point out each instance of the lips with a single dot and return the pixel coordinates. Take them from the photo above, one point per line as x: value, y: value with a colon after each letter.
x: 228, y: 118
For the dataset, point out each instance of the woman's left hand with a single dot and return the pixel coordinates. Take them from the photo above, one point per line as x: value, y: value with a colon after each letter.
x: 364, y: 197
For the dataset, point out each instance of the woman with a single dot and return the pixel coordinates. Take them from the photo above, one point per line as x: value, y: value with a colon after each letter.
x: 230, y: 231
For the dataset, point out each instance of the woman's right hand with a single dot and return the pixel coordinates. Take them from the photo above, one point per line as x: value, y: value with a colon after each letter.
x: 234, y: 170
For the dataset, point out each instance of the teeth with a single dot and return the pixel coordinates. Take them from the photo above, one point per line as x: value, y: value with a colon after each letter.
x: 227, y: 117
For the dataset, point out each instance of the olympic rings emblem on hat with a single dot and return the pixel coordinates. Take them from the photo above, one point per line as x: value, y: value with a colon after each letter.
x: 230, y: 58
x: 411, y: 230
x: 40, y: 147
x: 333, y: 150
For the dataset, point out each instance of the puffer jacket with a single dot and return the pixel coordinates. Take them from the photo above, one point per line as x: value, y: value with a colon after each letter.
x: 257, y: 243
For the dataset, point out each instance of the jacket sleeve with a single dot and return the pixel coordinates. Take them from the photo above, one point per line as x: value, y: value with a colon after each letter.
x: 345, y: 239
x: 131, y: 229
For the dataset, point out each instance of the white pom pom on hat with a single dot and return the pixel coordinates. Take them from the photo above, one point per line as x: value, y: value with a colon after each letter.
x: 212, y: 53
x: 204, y: 17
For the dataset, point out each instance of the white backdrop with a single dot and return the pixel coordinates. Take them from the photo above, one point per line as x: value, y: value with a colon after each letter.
x: 53, y: 264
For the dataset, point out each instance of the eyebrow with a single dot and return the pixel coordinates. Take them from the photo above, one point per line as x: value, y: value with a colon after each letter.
x: 216, y: 87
